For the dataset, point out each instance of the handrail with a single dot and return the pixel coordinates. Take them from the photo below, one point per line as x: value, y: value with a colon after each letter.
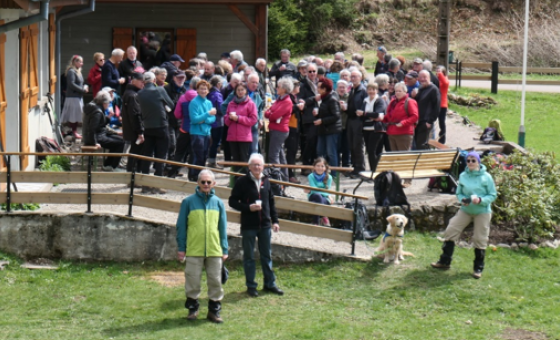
x: 286, y: 166
x: 187, y: 165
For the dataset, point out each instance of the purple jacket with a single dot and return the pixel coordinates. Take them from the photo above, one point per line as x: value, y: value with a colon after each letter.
x: 215, y: 97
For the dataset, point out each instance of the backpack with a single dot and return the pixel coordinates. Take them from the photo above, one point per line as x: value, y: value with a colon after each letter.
x: 46, y: 144
x: 276, y: 174
x: 388, y: 190
x: 363, y: 228
x: 489, y: 135
x: 443, y: 184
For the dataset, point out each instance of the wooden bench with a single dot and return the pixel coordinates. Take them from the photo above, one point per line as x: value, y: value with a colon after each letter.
x: 416, y: 164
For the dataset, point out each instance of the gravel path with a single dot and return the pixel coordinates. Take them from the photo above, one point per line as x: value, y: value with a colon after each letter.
x: 460, y: 135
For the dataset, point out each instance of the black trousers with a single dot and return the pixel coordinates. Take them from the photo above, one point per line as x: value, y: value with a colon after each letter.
x: 134, y: 163
x: 442, y: 128
x: 225, y: 144
x: 372, y: 140
x: 115, y: 144
x: 182, y: 152
x: 421, y: 136
x: 309, y: 154
x: 156, y: 143
x: 240, y: 153
x: 354, y: 132
x: 291, y: 145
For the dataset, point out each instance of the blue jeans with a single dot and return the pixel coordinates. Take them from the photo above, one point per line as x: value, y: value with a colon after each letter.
x: 216, y: 134
x: 327, y: 147
x: 248, y: 241
x: 319, y: 199
x: 199, y: 145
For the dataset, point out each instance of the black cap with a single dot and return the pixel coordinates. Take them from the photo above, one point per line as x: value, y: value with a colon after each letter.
x: 176, y: 57
x: 137, y: 76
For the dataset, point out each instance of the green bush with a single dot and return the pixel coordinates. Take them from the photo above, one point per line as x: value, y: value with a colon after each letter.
x: 528, y: 195
x: 21, y: 206
x: 56, y: 163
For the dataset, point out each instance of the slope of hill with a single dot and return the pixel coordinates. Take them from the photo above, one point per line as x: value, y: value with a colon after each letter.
x: 481, y: 30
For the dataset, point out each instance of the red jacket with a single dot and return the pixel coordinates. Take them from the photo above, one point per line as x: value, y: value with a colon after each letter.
x: 94, y: 79
x: 240, y: 130
x: 397, y: 114
x: 281, y: 109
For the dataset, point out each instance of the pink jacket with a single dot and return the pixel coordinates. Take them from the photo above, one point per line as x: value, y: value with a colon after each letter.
x: 281, y: 109
x: 187, y: 97
x: 240, y: 130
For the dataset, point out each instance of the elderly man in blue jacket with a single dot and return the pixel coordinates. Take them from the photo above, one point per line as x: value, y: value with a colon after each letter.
x: 202, y: 243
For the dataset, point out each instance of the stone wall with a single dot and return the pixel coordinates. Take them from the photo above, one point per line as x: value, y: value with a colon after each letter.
x: 94, y: 237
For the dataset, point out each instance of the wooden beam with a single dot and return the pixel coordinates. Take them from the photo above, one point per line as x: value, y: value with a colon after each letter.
x: 261, y: 39
x: 241, y: 16
x: 190, y: 2
x: 65, y: 198
x: 66, y: 177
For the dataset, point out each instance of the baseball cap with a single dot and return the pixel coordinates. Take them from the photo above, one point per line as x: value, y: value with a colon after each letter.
x: 179, y: 74
x: 412, y: 74
x: 149, y: 77
x: 382, y: 49
x: 137, y: 76
x: 418, y: 60
x: 176, y: 57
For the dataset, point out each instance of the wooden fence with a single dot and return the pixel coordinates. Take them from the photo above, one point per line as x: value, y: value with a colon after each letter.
x: 495, y: 70
x: 133, y: 199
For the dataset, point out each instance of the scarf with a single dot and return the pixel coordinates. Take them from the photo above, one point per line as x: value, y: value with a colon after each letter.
x: 238, y: 100
x: 319, y: 178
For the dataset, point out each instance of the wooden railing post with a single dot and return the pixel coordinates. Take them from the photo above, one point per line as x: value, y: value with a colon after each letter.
x: 90, y: 163
x: 8, y: 183
x: 131, y: 197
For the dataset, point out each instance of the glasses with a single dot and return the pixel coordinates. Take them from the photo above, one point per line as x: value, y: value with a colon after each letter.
x: 472, y: 161
x: 205, y: 182
x: 259, y: 165
x: 312, y: 71
x: 392, y: 82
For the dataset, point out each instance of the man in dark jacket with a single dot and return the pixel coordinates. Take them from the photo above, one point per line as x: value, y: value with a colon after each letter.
x: 153, y: 101
x: 252, y: 195
x: 284, y: 67
x: 428, y: 99
x: 354, y: 124
x: 133, y: 129
x: 175, y: 89
x: 380, y: 65
x: 172, y: 66
x: 95, y: 132
x: 110, y: 75
x: 308, y: 98
x: 129, y: 65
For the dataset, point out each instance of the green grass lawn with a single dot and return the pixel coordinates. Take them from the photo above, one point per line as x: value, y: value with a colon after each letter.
x: 542, y: 116
x: 334, y: 300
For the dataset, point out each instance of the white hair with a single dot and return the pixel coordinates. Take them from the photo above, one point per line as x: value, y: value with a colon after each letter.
x: 102, y: 97
x: 427, y: 65
x: 237, y: 55
x: 206, y: 172
x: 236, y: 76
x: 339, y: 54
x: 402, y: 86
x: 255, y: 156
x: 260, y: 60
x: 286, y: 83
x: 194, y: 82
x: 342, y: 83
x: 117, y: 52
x: 345, y: 71
x: 381, y: 79
x: 253, y: 75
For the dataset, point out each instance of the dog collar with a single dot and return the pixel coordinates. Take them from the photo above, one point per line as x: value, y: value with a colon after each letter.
x: 389, y: 235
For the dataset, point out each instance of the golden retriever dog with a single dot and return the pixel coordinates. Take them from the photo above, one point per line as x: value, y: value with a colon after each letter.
x: 392, y: 240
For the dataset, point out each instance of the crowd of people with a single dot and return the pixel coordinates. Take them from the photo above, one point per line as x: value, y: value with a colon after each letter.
x: 317, y: 108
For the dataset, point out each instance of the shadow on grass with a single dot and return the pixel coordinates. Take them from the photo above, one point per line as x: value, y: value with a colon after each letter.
x: 154, y: 326
x: 432, y: 278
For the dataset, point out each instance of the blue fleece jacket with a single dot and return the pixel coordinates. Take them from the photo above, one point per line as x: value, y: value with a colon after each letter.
x: 478, y: 183
x: 321, y: 185
x: 201, y: 120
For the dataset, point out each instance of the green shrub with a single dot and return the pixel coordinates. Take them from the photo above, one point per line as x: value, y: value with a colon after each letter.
x: 528, y: 195
x: 21, y: 206
x: 56, y: 163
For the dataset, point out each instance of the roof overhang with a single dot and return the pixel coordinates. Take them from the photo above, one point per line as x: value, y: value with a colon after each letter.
x: 29, y: 5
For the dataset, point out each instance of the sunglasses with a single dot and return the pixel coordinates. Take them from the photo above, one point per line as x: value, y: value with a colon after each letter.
x: 312, y: 71
x: 472, y: 161
x: 205, y: 182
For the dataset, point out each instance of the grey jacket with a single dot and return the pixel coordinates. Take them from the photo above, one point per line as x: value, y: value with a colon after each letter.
x: 153, y: 100
x: 74, y: 84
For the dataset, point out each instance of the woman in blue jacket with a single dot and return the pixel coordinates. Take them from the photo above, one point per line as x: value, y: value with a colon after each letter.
x: 320, y: 178
x: 476, y: 192
x: 202, y: 114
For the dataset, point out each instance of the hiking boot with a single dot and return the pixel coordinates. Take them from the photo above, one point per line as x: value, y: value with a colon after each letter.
x: 193, y: 314
x: 478, y: 267
x: 159, y: 191
x: 444, y: 262
x: 295, y: 180
x: 147, y: 190
x: 252, y: 292
x: 214, y: 308
x: 215, y: 166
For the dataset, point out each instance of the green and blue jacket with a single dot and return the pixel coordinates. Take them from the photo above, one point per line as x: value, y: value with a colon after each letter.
x: 202, y: 226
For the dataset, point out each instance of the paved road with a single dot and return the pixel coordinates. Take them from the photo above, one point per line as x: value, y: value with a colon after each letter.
x: 483, y: 84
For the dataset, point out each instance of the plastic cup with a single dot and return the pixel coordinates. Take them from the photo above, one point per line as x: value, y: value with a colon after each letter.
x: 473, y: 198
x: 258, y: 202
x: 233, y: 113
